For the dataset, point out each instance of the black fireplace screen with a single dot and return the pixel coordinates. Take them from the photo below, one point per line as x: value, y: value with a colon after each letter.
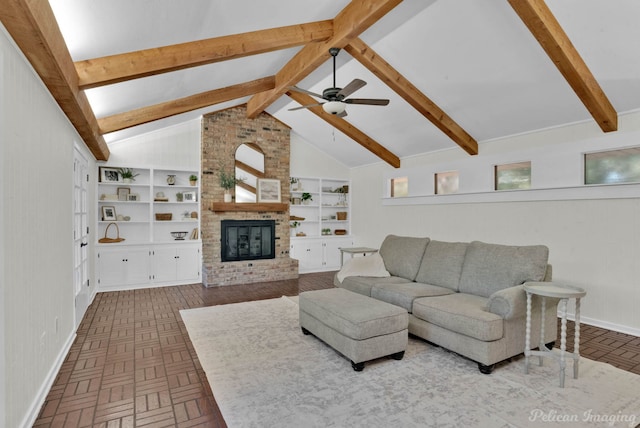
x: 248, y: 240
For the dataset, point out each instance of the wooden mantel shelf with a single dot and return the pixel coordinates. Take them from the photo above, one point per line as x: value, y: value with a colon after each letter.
x: 262, y: 206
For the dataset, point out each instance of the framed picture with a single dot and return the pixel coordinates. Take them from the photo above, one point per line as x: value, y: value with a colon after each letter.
x: 134, y: 197
x: 189, y: 196
x: 123, y: 193
x: 110, y: 175
x: 109, y: 213
x: 268, y: 190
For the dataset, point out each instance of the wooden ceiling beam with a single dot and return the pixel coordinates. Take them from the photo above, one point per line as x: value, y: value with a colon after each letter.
x: 396, y: 81
x: 348, y: 129
x: 545, y: 28
x: 33, y: 27
x: 353, y: 20
x: 249, y: 169
x: 119, y: 68
x: 147, y: 114
x: 249, y: 188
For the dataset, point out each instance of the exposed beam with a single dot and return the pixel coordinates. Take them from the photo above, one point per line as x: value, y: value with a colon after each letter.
x: 545, y: 28
x: 354, y: 19
x: 348, y: 129
x: 249, y: 169
x: 118, y: 68
x: 396, y: 81
x: 33, y: 27
x: 247, y: 187
x: 147, y: 114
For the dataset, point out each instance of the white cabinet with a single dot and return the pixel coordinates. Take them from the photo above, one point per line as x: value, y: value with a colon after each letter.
x: 176, y: 263
x: 158, y: 215
x: 123, y: 266
x: 318, y: 254
x: 325, y: 211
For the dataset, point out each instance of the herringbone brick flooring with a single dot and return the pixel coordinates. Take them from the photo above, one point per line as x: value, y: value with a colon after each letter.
x: 133, y: 365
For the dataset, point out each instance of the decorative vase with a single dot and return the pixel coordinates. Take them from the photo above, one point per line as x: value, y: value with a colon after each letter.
x: 227, y: 197
x: 127, y: 180
x: 171, y: 179
x: 193, y: 182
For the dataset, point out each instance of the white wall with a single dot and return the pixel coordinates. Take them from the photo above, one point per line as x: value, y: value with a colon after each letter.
x: 594, y: 243
x: 308, y: 161
x: 36, y: 224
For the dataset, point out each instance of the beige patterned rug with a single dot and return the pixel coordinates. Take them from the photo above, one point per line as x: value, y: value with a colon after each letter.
x: 265, y: 373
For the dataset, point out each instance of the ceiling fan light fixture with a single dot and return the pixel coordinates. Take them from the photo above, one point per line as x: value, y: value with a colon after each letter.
x: 334, y: 107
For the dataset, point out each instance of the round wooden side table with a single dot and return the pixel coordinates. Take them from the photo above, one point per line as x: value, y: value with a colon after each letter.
x: 564, y: 293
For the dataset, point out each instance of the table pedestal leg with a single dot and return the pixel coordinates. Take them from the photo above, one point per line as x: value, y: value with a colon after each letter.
x: 563, y: 340
x: 576, y: 341
x: 527, y: 350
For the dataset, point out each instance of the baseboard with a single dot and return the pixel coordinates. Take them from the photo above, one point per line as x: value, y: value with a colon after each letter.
x: 38, y: 401
x: 604, y: 324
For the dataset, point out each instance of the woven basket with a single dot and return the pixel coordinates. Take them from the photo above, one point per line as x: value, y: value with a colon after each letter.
x: 107, y: 240
x: 342, y: 215
x: 163, y: 216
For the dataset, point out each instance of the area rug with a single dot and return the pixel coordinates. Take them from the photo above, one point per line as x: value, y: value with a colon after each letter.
x: 265, y: 373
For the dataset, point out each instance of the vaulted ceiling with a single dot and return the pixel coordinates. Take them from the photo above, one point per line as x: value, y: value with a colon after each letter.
x: 456, y: 72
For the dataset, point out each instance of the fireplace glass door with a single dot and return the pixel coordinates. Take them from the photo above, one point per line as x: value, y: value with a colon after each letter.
x: 248, y: 240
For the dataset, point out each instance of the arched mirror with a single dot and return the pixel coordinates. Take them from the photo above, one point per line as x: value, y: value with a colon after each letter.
x: 249, y: 168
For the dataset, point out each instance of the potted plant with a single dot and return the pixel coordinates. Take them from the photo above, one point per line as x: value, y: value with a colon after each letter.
x: 127, y: 175
x: 293, y: 225
x: 179, y: 196
x: 295, y: 184
x: 306, y: 198
x: 193, y: 179
x: 228, y: 182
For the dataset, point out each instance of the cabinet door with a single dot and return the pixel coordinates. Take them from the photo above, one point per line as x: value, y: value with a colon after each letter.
x: 188, y: 263
x: 309, y: 254
x: 331, y: 251
x: 138, y: 268
x: 164, y: 264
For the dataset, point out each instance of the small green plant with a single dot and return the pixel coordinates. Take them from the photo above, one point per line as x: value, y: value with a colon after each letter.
x: 193, y: 177
x: 293, y: 180
x: 227, y: 181
x: 127, y: 173
x: 179, y: 196
x: 306, y: 197
x: 294, y: 224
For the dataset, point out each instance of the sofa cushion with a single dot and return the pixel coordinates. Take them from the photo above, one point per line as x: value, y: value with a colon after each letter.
x: 488, y: 268
x: 404, y: 294
x: 442, y: 264
x: 363, y: 284
x: 402, y: 255
x: 460, y: 313
x: 372, y: 265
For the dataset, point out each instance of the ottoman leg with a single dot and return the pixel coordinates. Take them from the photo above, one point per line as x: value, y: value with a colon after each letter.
x: 305, y: 331
x: 397, y: 355
x: 357, y: 366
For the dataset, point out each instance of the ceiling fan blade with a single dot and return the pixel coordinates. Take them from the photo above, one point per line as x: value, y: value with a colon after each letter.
x: 367, y: 101
x: 305, y: 106
x: 304, y: 91
x: 353, y: 86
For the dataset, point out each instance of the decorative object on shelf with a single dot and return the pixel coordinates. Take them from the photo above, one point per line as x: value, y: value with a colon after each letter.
x: 163, y: 216
x: 133, y: 197
x: 268, y: 190
x: 179, y: 236
x: 228, y: 182
x: 326, y: 231
x: 110, y: 175
x: 342, y: 215
x: 171, y: 179
x: 340, y: 232
x: 193, y: 179
x: 123, y: 193
x: 296, y: 184
x: 109, y: 213
x: 294, y: 225
x: 296, y: 201
x: 179, y: 196
x: 106, y: 239
x: 109, y: 197
x: 294, y: 217
x: 306, y: 198
x: 160, y: 197
x: 195, y: 234
x: 189, y: 196
x: 194, y: 214
x: 127, y: 175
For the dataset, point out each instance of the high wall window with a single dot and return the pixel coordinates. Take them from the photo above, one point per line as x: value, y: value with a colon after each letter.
x: 446, y: 182
x: 613, y: 166
x: 513, y: 176
x: 399, y: 187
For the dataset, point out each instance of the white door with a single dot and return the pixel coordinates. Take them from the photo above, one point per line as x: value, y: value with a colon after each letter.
x: 80, y: 235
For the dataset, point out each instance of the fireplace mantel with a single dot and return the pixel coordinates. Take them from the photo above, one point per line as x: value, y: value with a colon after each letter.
x: 248, y: 207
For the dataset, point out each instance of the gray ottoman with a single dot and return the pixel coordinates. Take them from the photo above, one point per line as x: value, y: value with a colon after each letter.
x: 357, y: 326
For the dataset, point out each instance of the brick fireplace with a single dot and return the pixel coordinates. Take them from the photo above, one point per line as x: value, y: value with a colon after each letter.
x: 222, y: 133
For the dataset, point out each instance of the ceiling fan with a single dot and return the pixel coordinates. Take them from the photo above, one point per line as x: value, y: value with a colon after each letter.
x: 335, y: 99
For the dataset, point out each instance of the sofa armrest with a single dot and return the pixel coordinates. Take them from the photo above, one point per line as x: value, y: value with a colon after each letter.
x: 509, y: 303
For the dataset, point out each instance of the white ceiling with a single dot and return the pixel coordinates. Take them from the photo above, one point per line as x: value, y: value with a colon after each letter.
x: 474, y: 58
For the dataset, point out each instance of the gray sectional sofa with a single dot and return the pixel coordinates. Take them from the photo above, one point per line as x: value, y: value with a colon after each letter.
x: 465, y: 297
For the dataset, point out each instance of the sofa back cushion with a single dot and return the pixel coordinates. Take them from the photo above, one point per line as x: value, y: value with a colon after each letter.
x: 488, y: 268
x: 402, y: 255
x: 442, y: 264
